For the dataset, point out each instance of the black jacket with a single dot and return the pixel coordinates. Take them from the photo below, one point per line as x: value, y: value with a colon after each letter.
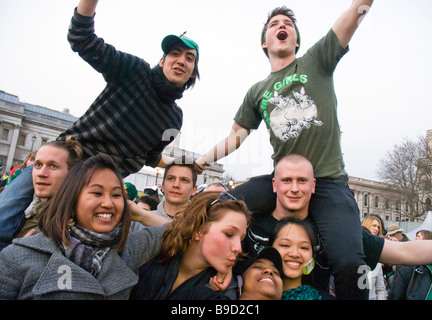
x: 411, y: 283
x: 156, y: 281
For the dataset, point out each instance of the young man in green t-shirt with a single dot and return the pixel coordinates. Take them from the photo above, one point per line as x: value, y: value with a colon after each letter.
x: 297, y: 102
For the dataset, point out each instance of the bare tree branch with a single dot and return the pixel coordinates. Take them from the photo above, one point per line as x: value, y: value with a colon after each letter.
x: 408, y: 168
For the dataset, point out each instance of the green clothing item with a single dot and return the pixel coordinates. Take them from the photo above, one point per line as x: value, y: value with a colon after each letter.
x: 299, y: 107
x: 304, y: 292
x: 429, y: 295
x: 13, y: 175
x: 32, y: 221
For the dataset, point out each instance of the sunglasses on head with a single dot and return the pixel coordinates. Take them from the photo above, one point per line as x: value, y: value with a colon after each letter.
x: 224, y: 197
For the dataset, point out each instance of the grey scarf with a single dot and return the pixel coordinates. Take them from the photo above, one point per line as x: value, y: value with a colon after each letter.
x: 87, y: 248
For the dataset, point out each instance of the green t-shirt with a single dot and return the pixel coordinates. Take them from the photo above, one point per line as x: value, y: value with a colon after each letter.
x: 299, y: 107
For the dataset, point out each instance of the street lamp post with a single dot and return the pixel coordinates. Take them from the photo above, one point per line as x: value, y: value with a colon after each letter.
x: 33, y: 139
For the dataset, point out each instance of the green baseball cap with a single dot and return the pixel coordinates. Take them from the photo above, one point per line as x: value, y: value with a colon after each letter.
x: 171, y: 39
x: 131, y: 190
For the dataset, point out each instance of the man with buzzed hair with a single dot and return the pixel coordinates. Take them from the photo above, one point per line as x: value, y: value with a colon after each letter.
x: 297, y: 103
x: 293, y: 185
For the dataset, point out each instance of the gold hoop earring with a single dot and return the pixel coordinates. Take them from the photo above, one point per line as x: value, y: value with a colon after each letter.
x: 71, y: 222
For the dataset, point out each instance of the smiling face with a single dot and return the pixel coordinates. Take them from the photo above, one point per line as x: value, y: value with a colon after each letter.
x: 100, y: 203
x: 294, y: 184
x: 280, y: 37
x: 262, y: 281
x: 221, y: 243
x: 179, y: 65
x: 295, y: 248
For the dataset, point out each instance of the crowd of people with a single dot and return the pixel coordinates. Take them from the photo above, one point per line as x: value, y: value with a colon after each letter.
x: 397, y: 282
x: 70, y: 228
x: 213, y: 247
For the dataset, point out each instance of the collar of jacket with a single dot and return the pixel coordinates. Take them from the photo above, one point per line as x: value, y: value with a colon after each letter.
x: 61, y: 274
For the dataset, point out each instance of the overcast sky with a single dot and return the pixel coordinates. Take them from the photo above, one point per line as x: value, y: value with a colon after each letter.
x: 383, y: 84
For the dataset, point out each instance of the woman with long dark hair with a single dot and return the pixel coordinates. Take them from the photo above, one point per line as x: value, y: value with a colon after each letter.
x: 84, y: 250
x: 297, y: 243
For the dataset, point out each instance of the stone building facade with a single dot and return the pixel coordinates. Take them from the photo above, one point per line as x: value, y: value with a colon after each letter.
x: 25, y: 127
x: 378, y: 198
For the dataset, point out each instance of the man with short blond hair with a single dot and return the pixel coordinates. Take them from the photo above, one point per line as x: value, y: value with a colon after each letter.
x: 297, y: 103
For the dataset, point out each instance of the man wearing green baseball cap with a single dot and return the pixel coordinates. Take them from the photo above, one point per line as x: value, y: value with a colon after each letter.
x: 169, y: 41
x: 175, y: 47
x: 136, y: 96
x: 132, y: 119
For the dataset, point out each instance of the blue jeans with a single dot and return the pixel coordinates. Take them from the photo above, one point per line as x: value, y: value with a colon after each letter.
x: 337, y: 218
x: 14, y: 199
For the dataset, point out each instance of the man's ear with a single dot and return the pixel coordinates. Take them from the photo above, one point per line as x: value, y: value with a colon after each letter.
x: 161, y: 186
x: 161, y: 62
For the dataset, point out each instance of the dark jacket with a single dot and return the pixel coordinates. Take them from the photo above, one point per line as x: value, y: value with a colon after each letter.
x: 138, y: 101
x: 156, y: 280
x: 411, y: 283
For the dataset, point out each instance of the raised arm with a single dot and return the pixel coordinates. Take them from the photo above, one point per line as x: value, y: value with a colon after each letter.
x: 232, y: 142
x: 417, y: 252
x: 145, y: 217
x: 87, y: 7
x: 103, y: 57
x: 346, y: 25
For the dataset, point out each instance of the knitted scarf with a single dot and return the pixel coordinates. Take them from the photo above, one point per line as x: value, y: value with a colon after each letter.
x: 87, y: 248
x: 304, y: 292
x: 166, y: 90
